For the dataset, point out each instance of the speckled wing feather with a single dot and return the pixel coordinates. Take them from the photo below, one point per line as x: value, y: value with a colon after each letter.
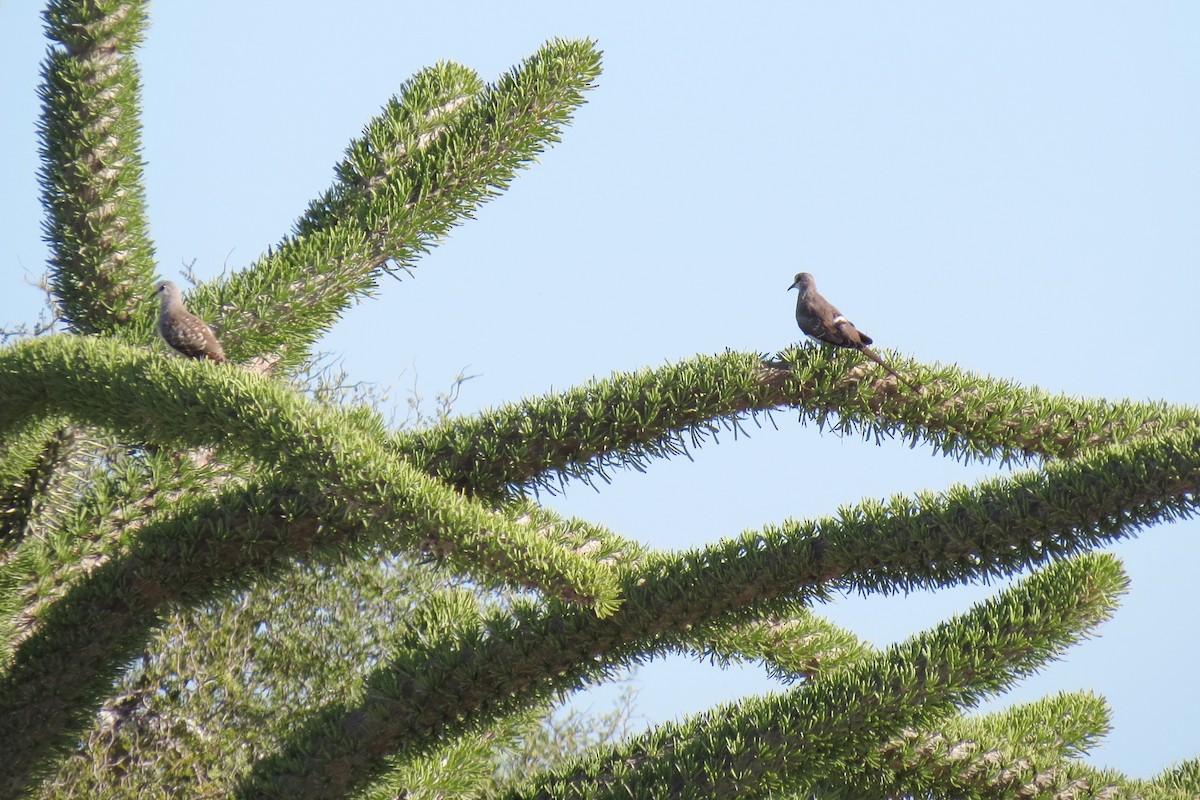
x: 184, y: 331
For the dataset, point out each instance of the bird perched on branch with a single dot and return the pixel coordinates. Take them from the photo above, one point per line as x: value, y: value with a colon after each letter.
x: 183, y: 330
x: 817, y: 317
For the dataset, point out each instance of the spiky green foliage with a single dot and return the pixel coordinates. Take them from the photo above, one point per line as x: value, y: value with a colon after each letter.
x: 789, y: 742
x: 443, y: 146
x: 215, y: 584
x: 102, y: 259
x: 631, y: 419
x: 1021, y: 752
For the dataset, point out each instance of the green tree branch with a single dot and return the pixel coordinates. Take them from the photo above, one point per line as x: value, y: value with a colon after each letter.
x: 102, y: 259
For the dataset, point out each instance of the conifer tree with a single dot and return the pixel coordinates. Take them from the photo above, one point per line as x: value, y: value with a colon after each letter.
x: 220, y: 581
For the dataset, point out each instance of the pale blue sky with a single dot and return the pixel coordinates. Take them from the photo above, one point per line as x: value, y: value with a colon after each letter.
x: 1014, y: 188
